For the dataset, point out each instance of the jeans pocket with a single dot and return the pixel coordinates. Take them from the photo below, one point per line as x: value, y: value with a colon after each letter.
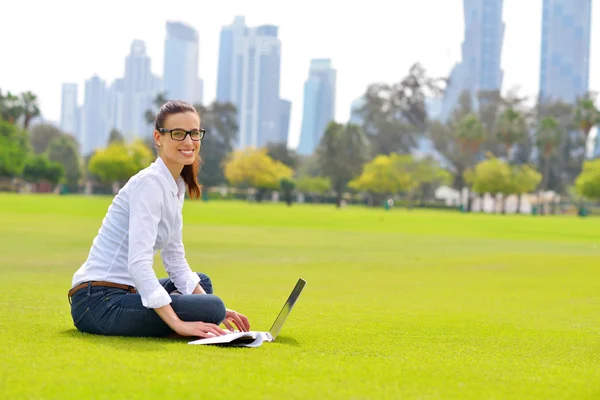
x: 87, y: 323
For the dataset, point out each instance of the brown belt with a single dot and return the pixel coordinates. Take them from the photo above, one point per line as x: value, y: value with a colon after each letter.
x: 131, y: 289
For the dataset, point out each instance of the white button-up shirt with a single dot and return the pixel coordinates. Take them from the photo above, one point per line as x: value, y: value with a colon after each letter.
x: 144, y: 217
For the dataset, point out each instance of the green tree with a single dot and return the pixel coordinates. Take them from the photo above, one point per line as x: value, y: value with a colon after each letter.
x: 587, y: 114
x: 116, y: 136
x: 341, y: 154
x: 587, y: 183
x: 159, y: 100
x: 280, y: 152
x: 14, y: 149
x: 524, y: 179
x: 549, y: 137
x: 41, y: 135
x: 384, y: 175
x: 316, y: 186
x: 29, y: 108
x: 64, y: 150
x: 512, y: 129
x: 491, y: 176
x: 11, y: 108
x: 254, y: 168
x: 220, y: 122
x: 287, y: 185
x: 118, y: 162
x: 38, y: 168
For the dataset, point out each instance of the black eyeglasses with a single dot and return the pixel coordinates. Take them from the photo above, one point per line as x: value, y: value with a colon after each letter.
x: 180, y: 134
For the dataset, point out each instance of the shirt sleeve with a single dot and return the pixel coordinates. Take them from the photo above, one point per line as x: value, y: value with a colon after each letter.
x: 145, y: 205
x: 173, y: 256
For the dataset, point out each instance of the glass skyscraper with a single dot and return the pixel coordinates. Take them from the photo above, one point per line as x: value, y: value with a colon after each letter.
x: 481, y: 51
x: 565, y: 49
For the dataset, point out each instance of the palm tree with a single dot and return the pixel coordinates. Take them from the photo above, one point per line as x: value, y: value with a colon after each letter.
x: 470, y: 135
x: 29, y: 108
x: 512, y: 129
x: 10, y: 108
x: 548, y: 139
x: 586, y: 115
x: 159, y: 100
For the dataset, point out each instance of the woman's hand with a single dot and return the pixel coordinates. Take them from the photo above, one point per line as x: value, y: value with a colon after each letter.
x: 238, y: 319
x: 197, y: 328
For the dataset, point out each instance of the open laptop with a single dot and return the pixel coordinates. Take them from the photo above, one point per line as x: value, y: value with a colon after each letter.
x: 255, y: 338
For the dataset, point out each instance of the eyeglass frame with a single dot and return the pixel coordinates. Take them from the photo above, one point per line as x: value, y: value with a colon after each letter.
x: 170, y: 131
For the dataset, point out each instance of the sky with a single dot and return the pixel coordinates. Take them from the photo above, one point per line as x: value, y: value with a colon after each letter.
x: 47, y: 43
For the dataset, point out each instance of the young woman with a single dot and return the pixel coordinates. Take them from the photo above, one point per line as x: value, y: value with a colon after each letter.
x: 116, y: 292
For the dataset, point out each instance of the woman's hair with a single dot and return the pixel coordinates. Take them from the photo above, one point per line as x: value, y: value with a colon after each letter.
x: 189, y: 172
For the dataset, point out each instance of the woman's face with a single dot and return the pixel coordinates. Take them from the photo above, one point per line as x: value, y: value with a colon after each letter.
x: 178, y: 152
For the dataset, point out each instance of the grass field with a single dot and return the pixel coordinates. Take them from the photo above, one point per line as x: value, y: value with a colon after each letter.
x: 411, y: 305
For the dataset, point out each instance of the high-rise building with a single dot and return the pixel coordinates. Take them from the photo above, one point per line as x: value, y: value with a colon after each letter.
x: 319, y: 104
x: 480, y: 67
x: 140, y: 87
x: 249, y: 77
x: 94, y: 132
x: 69, y: 114
x: 565, y: 49
x: 285, y: 112
x: 181, y: 62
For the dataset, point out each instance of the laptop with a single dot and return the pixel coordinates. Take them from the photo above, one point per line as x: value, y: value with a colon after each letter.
x: 256, y: 338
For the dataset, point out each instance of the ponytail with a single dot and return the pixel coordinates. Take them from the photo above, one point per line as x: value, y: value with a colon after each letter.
x: 189, y: 173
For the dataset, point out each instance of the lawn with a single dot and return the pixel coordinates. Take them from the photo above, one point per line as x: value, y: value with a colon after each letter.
x: 399, y: 304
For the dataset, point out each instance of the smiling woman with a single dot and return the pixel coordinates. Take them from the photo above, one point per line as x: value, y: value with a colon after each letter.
x: 116, y: 291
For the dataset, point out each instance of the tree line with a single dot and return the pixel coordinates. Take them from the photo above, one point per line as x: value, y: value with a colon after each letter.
x: 491, y: 144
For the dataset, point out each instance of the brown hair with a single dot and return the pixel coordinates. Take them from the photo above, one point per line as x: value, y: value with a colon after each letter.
x: 189, y: 172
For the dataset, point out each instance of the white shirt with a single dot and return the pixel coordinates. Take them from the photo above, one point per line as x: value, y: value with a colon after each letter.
x: 144, y: 217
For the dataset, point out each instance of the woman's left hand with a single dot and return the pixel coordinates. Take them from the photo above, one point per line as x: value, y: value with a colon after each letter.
x: 239, y: 320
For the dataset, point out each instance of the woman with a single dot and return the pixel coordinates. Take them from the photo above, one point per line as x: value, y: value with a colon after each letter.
x: 116, y: 292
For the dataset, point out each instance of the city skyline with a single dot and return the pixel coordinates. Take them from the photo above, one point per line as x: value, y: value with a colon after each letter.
x: 358, y: 59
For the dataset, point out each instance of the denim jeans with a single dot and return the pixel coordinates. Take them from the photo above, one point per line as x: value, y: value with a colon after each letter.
x: 116, y: 312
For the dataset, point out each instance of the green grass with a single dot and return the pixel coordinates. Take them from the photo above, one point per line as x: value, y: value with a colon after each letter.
x: 415, y: 305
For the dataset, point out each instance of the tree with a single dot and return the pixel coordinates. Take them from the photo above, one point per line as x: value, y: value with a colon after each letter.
x: 64, y: 150
x: 280, y: 152
x: 341, y: 154
x: 491, y: 176
x: 11, y: 108
x: 38, y: 168
x: 254, y: 168
x: 586, y: 114
x: 29, y: 108
x: 549, y: 137
x: 14, y: 149
x: 524, y: 179
x: 287, y: 185
x: 116, y: 136
x: 313, y: 185
x: 384, y: 175
x: 118, y: 162
x: 393, y: 115
x: 159, y: 100
x: 220, y: 122
x: 587, y: 183
x: 41, y: 135
x: 512, y: 129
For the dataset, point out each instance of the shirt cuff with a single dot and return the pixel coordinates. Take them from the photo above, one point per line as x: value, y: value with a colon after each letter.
x: 190, y: 284
x: 158, y: 298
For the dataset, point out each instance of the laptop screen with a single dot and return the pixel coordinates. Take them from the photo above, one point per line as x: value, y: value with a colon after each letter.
x: 287, y: 307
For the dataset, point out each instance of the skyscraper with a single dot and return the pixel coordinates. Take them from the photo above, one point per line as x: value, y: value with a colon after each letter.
x: 181, y: 60
x: 69, y: 113
x: 565, y: 49
x: 319, y: 104
x: 139, y: 90
x: 481, y: 51
x: 248, y: 77
x: 94, y: 133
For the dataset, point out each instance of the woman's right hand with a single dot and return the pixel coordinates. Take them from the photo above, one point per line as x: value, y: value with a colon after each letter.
x: 197, y: 328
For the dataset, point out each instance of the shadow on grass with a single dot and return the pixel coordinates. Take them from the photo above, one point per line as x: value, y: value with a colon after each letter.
x: 146, y: 343
x: 119, y: 342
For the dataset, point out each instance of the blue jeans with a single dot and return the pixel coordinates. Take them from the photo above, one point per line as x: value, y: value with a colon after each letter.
x: 116, y: 312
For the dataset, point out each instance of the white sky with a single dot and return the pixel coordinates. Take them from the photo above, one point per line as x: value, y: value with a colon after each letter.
x: 45, y: 43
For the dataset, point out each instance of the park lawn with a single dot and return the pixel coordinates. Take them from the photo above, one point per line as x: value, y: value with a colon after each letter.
x: 399, y: 304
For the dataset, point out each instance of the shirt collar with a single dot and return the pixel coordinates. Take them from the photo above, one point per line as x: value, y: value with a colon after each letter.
x: 176, y: 187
